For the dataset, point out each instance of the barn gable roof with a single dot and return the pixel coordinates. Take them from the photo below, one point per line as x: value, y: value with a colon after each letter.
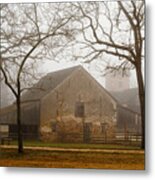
x: 54, y: 79
x: 100, y: 86
x: 113, y: 99
x: 50, y: 82
x: 47, y: 83
x: 77, y: 72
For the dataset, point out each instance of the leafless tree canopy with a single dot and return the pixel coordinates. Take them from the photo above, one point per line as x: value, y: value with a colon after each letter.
x: 115, y: 29
x: 29, y: 33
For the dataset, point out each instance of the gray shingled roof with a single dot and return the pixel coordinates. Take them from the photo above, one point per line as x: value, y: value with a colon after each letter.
x: 47, y: 83
x: 52, y: 80
x: 128, y: 97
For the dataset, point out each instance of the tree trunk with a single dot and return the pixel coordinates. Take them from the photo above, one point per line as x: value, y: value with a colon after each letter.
x: 19, y: 126
x: 142, y: 101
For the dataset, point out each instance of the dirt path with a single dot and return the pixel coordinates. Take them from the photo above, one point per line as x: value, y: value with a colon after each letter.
x: 76, y: 149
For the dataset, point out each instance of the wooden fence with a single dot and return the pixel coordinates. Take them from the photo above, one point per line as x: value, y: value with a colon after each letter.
x: 131, y: 138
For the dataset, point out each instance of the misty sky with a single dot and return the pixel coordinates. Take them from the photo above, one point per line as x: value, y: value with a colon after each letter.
x: 50, y: 66
x: 66, y: 59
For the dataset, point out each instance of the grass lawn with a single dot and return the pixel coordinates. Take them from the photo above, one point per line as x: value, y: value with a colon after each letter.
x: 74, y: 145
x: 56, y: 159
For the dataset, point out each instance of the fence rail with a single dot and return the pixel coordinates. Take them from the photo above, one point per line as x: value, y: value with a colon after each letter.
x: 119, y: 138
x: 131, y: 138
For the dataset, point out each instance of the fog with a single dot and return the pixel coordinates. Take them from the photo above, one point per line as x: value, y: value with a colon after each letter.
x: 61, y: 53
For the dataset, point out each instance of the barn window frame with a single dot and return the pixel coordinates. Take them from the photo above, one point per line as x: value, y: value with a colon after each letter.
x: 79, y: 109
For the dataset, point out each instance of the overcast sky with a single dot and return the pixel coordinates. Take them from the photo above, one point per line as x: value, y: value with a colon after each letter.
x: 65, y: 60
x: 50, y: 66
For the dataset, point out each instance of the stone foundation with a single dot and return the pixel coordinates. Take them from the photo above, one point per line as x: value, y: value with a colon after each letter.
x: 69, y: 129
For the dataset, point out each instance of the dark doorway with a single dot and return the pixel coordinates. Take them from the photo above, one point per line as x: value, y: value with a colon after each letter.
x: 104, y: 131
x: 87, y: 132
x: 28, y: 131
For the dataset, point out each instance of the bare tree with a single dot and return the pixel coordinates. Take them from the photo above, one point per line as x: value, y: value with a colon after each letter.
x: 115, y: 29
x: 29, y: 32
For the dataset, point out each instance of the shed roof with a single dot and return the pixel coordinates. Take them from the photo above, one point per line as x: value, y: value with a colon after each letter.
x: 129, y: 98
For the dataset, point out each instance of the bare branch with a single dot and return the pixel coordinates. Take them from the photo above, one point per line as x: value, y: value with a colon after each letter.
x: 7, y: 82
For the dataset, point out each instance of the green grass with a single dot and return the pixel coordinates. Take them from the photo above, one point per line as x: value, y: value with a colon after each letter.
x: 78, y: 146
x: 56, y: 159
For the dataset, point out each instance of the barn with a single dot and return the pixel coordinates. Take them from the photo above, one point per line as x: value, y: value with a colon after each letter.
x: 69, y: 105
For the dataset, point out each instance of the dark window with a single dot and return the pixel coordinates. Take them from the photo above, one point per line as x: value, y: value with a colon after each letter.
x: 87, y: 132
x: 79, y: 109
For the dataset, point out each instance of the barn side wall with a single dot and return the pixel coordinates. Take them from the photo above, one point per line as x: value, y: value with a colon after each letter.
x: 128, y: 121
x: 59, y: 120
x: 30, y: 118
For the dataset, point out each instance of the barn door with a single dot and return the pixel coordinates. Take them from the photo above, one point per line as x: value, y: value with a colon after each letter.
x: 87, y: 132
